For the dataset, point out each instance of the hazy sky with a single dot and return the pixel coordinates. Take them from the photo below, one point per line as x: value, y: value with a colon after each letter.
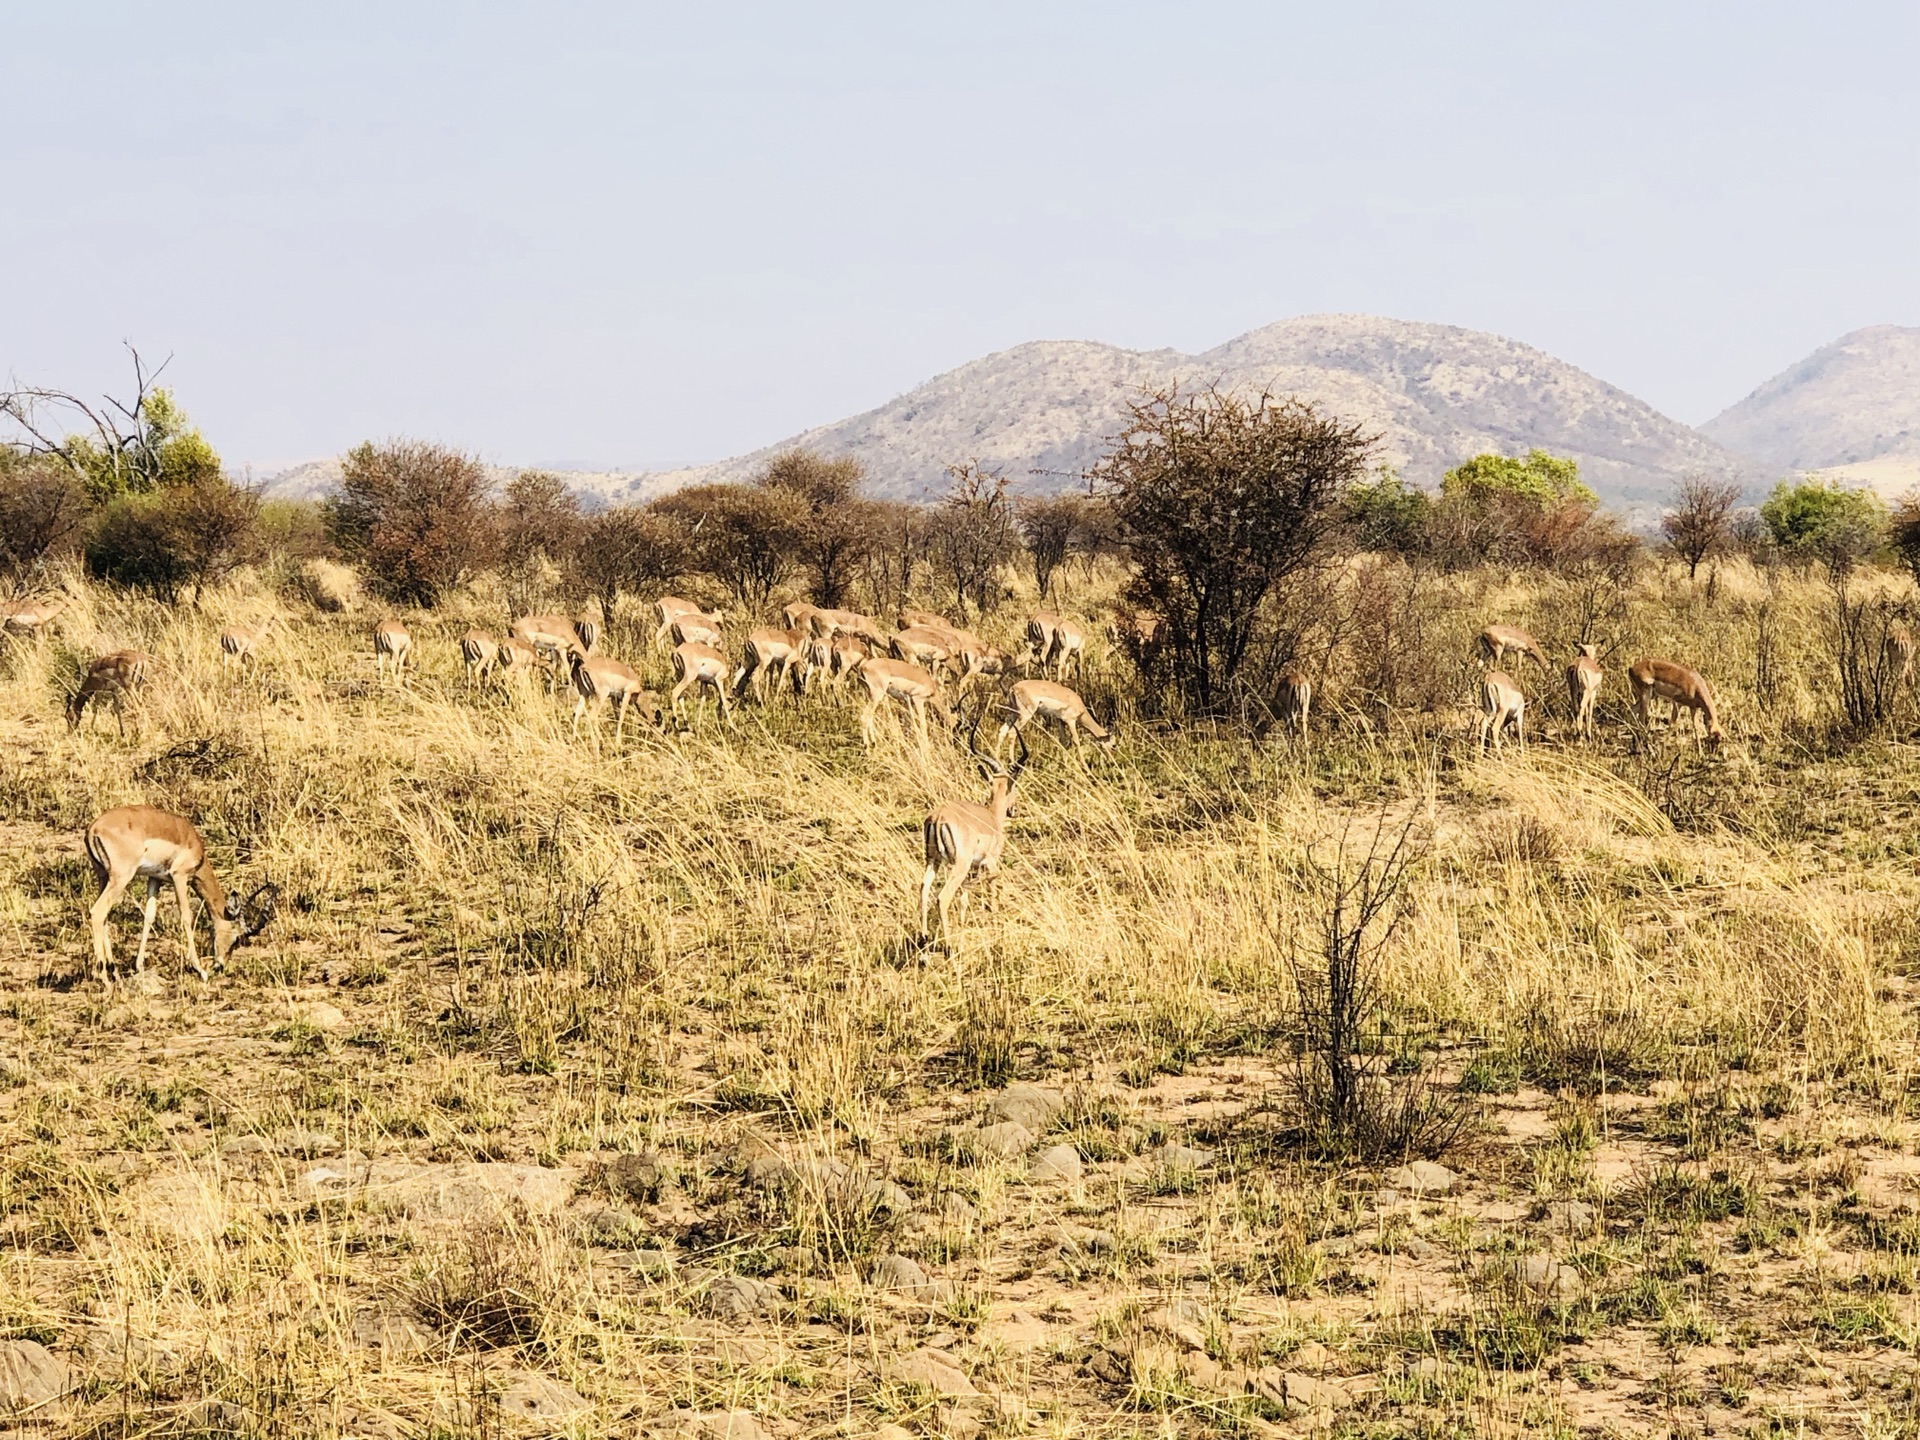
x: 606, y: 234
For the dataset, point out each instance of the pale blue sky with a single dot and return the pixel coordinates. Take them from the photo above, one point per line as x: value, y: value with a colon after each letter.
x: 602, y: 234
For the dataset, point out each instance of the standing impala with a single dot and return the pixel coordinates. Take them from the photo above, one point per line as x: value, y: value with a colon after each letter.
x: 1029, y: 700
x: 1584, y: 678
x: 967, y: 839
x: 27, y: 617
x: 667, y: 607
x: 138, y: 841
x: 600, y: 680
x: 1496, y: 642
x: 1501, y: 705
x: 1295, y: 700
x: 769, y: 650
x: 910, y: 685
x: 1651, y: 680
x: 696, y: 628
x: 238, y: 642
x: 703, y: 666
x: 554, y: 636
x: 479, y: 653
x: 392, y: 643
x: 111, y: 678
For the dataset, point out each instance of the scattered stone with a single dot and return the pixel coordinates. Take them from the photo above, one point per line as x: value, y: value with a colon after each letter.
x: 459, y: 1191
x: 795, y: 1259
x: 1035, y: 1107
x: 1296, y: 1391
x: 216, y: 1417
x: 649, y: 1264
x: 933, y: 1370
x: 714, y: 1425
x: 1182, y: 1157
x: 145, y: 983
x: 308, y: 1144
x: 1177, y: 1323
x: 612, y: 1225
x: 1202, y: 1369
x: 1312, y: 1356
x: 1090, y: 1242
x: 394, y: 1336
x: 637, y: 1177
x: 1422, y: 1177
x: 893, y: 1432
x: 897, y: 1272
x: 321, y: 1015
x: 32, y: 1377
x: 759, y: 1162
x: 1572, y: 1217
x: 1110, y: 1366
x: 529, y: 1396
x: 957, y: 1210
x: 112, y: 1346
x: 740, y: 1297
x: 240, y: 1147
x: 1004, y: 1141
x: 1137, y: 1171
x: 1546, y: 1276
x: 886, y: 1198
x: 1062, y: 1162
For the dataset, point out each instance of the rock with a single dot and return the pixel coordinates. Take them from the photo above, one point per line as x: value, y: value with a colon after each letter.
x: 1090, y: 1242
x: 1546, y: 1276
x: 147, y: 984
x: 1137, y: 1172
x: 795, y: 1259
x: 308, y: 1144
x: 1572, y: 1217
x: 1422, y: 1177
x: 1182, y: 1157
x: 957, y: 1209
x: 886, y: 1198
x: 1177, y: 1323
x: 893, y: 1432
x: 32, y: 1377
x: 897, y: 1272
x: 1033, y: 1106
x: 216, y: 1417
x: 1313, y: 1357
x: 1004, y: 1141
x: 112, y: 1347
x: 1201, y: 1368
x: 244, y: 1146
x: 394, y: 1336
x: 612, y: 1225
x: 460, y: 1191
x: 1062, y: 1162
x: 713, y: 1425
x: 755, y: 1157
x: 321, y: 1015
x: 932, y: 1370
x: 739, y: 1297
x: 1303, y: 1392
x: 533, y: 1397
x: 636, y: 1177
x: 1110, y: 1366
x: 649, y: 1264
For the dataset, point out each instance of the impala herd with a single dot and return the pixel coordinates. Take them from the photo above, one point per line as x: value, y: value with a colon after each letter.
x: 922, y: 668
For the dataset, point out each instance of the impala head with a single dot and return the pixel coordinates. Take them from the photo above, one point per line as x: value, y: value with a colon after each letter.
x: 1586, y: 652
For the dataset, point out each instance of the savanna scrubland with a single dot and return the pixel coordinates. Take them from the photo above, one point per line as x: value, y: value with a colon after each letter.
x: 1361, y: 1083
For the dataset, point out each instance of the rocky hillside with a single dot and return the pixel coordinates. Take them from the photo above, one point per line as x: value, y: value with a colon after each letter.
x: 1850, y: 409
x: 1435, y: 394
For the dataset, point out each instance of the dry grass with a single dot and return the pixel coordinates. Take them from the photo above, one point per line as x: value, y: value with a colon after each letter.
x: 680, y: 979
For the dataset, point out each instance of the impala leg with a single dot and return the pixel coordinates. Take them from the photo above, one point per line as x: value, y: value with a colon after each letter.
x: 948, y: 892
x: 620, y: 719
x: 146, y: 924
x: 112, y: 887
x: 926, y: 899
x: 186, y: 924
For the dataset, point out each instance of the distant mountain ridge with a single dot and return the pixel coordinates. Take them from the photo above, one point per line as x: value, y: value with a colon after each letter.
x: 1043, y: 412
x: 1850, y: 410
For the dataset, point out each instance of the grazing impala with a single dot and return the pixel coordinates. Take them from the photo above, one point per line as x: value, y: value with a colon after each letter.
x: 966, y: 839
x: 1028, y: 700
x: 1501, y: 705
x: 909, y: 618
x: 479, y: 652
x: 696, y: 628
x: 1651, y: 680
x: 769, y: 650
x: 600, y: 680
x: 555, y: 636
x: 28, y: 617
x: 138, y: 841
x: 1496, y: 642
x: 910, y: 685
x: 847, y: 622
x: 238, y: 642
x: 1294, y: 700
x: 929, y: 647
x: 699, y: 665
x: 519, y: 659
x: 1052, y: 640
x: 799, y: 615
x: 667, y: 607
x: 110, y: 678
x: 1584, y: 678
x: 391, y: 642
x: 588, y: 629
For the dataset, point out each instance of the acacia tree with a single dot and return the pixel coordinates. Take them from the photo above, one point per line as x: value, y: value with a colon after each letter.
x: 1699, y: 523
x: 1051, y: 525
x: 43, y: 511
x: 971, y: 535
x: 1222, y: 499
x: 629, y: 548
x: 115, y: 445
x: 414, y: 514
x: 836, y: 540
x: 747, y: 537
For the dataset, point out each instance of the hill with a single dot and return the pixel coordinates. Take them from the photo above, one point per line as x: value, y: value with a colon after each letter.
x: 1850, y: 409
x: 1434, y: 393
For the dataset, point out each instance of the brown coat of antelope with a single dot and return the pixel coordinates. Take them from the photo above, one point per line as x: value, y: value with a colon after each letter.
x: 966, y: 839
x: 702, y: 666
x: 238, y: 642
x: 766, y: 651
x: 600, y: 680
x: 667, y: 607
x: 1684, y: 689
x: 1295, y: 701
x: 1029, y: 700
x: 910, y: 685
x: 392, y: 643
x: 1501, y: 704
x: 29, y: 617
x: 1496, y: 642
x: 110, y: 678
x: 1584, y: 678
x: 479, y: 653
x: 140, y: 842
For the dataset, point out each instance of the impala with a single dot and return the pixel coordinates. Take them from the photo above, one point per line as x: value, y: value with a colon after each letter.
x: 845, y: 655
x: 1029, y: 700
x: 1501, y: 705
x: 391, y: 642
x: 517, y: 658
x: 140, y: 841
x: 1052, y: 640
x: 669, y: 606
x: 588, y: 629
x: 799, y: 615
x: 1294, y: 700
x: 554, y: 636
x: 967, y: 839
x: 238, y: 642
x: 769, y: 650
x: 1584, y: 677
x: 910, y: 685
x: 479, y: 652
x: 696, y: 628
x: 1651, y: 680
x: 600, y: 680
x: 26, y: 617
x: 846, y: 622
x: 1496, y: 642
x: 909, y: 618
x: 111, y: 678
x: 695, y: 664
x: 1900, y: 647
x: 928, y: 647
